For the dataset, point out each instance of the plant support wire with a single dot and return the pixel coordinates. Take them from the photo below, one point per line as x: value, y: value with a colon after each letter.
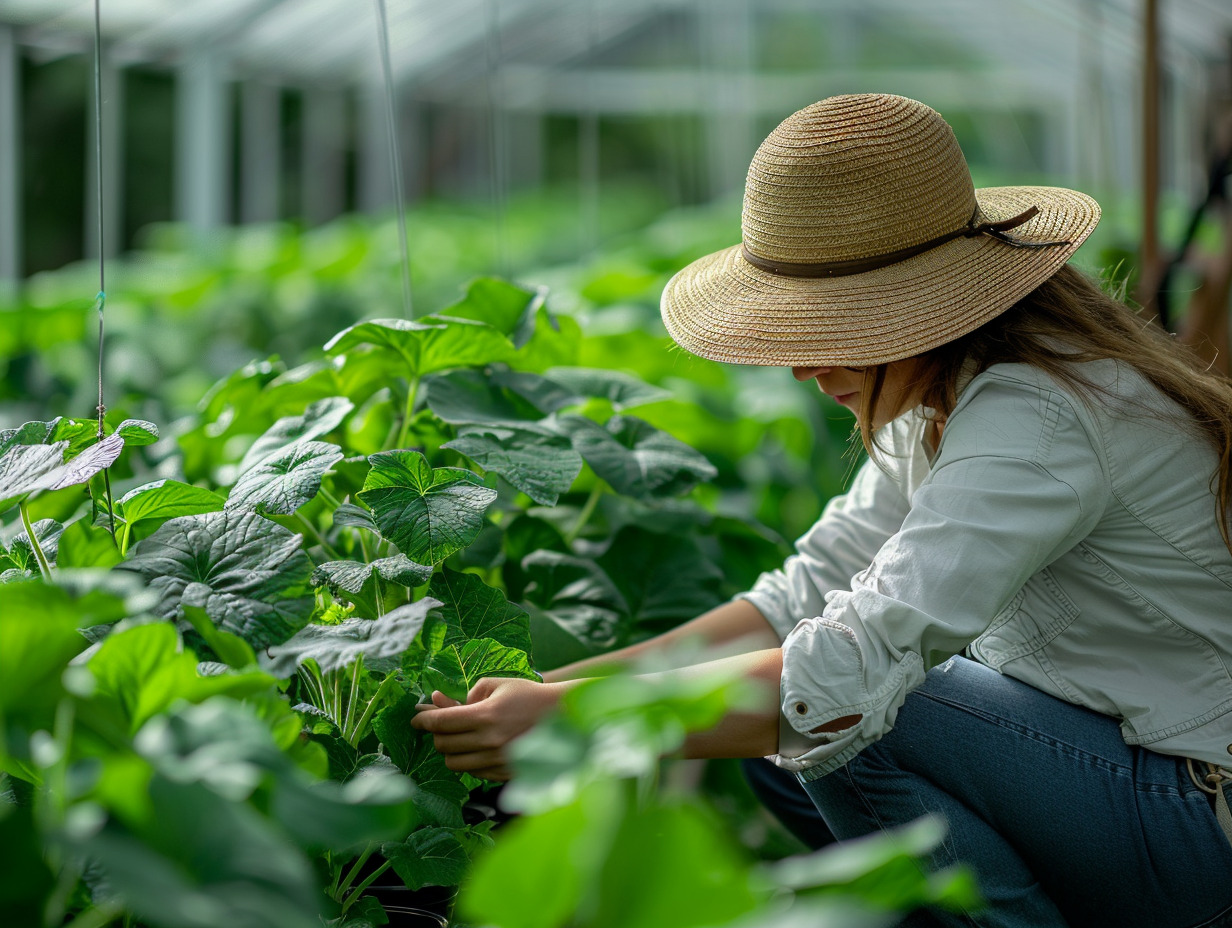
x: 395, y: 161
x: 100, y: 301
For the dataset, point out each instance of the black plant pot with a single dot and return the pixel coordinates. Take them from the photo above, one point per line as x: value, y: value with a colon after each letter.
x: 434, y: 900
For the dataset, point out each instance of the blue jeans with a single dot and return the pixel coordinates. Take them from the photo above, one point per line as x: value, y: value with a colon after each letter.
x: 1063, y: 823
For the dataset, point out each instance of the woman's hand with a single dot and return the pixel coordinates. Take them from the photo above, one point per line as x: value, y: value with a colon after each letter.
x: 473, y: 736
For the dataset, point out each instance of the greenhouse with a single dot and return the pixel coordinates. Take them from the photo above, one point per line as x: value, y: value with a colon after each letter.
x: 540, y: 464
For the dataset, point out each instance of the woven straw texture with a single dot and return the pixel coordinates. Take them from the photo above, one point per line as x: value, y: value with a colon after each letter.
x: 855, y: 177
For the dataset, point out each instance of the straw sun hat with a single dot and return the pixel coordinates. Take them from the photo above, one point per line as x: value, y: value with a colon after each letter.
x: 865, y: 242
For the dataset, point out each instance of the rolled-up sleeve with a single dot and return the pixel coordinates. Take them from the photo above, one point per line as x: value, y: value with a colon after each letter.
x: 1017, y: 482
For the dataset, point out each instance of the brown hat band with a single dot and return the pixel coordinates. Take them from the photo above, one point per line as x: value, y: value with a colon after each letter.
x: 860, y: 265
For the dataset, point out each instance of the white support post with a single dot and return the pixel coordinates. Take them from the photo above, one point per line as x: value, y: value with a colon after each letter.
x: 10, y: 160
x: 113, y: 165
x: 203, y: 143
x: 260, y: 151
x: 323, y: 192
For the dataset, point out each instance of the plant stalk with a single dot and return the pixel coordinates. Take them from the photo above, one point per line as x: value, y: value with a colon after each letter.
x: 359, y: 890
x: 584, y: 516
x: 344, y: 882
x: 412, y: 390
x: 371, y: 707
x: 44, y: 566
x: 353, y: 698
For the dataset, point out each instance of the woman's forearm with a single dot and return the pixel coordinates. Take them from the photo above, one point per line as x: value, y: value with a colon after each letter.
x: 752, y: 731
x: 732, y: 621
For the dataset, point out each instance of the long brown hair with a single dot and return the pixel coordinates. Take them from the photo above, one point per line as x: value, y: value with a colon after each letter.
x: 1069, y: 319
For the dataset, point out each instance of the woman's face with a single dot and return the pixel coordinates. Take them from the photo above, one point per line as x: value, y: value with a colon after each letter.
x: 900, y: 390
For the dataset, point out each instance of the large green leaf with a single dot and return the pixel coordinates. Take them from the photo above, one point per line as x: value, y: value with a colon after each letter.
x: 319, y: 419
x: 379, y: 641
x: 438, y: 792
x: 503, y: 305
x: 137, y: 432
x: 250, y: 575
x: 429, y: 514
x: 457, y: 667
x: 429, y: 857
x: 623, y: 391
x: 141, y: 672
x: 162, y: 500
x: 475, y: 397
x: 284, y: 481
x: 540, y: 464
x: 38, y: 637
x: 578, y: 598
x: 472, y: 609
x: 673, y: 864
x: 635, y: 458
x: 86, y: 545
x: 204, y: 861
x: 432, y: 343
x: 664, y: 579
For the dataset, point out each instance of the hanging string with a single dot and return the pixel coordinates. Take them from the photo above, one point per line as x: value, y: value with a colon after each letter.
x: 101, y: 300
x: 395, y: 160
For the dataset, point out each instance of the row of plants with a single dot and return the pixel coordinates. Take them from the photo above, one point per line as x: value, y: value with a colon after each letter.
x: 213, y: 642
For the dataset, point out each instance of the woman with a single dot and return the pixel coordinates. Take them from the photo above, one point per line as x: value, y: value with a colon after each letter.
x: 1047, y: 495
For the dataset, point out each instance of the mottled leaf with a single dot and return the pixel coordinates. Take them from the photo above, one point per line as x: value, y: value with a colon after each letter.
x: 352, y: 576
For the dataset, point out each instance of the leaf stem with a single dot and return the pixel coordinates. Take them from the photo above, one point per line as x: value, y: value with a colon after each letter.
x: 371, y: 707
x: 356, y: 670
x: 412, y: 389
x: 343, y: 884
x: 584, y: 516
x: 359, y: 890
x: 44, y: 567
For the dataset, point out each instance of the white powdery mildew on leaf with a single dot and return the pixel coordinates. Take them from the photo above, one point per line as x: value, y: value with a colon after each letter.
x: 320, y: 418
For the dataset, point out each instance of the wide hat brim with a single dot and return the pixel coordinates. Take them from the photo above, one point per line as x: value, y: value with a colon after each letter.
x: 723, y: 308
